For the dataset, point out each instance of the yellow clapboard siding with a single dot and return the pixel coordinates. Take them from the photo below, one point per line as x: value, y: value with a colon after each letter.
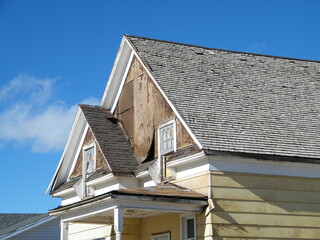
x: 242, y: 180
x: 159, y: 224
x: 262, y: 219
x: 224, y: 230
x: 267, y: 207
x: 266, y: 195
x: 194, y: 182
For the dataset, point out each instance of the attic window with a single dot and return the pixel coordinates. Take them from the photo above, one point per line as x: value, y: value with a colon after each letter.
x: 89, y: 159
x: 167, y: 138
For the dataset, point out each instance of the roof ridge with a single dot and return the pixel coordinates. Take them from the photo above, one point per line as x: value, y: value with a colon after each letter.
x: 223, y: 50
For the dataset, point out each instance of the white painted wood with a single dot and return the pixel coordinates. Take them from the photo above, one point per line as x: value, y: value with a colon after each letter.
x: 116, y: 75
x: 118, y: 222
x: 127, y: 68
x: 64, y: 231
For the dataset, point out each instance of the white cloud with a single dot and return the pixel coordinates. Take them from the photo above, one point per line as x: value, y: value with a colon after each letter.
x: 31, y: 117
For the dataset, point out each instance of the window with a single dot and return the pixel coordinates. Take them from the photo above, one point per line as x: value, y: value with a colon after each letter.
x: 89, y: 166
x: 188, y: 227
x: 89, y: 160
x: 162, y: 236
x: 167, y: 138
x: 166, y: 146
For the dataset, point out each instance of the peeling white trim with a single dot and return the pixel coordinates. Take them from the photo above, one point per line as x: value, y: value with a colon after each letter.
x: 103, y: 179
x: 122, y: 82
x: 73, y: 129
x: 143, y: 174
x: 79, y: 149
x: 64, y: 192
x: 186, y: 160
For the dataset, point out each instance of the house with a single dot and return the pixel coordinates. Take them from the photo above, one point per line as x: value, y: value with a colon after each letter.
x: 192, y: 143
x: 16, y: 226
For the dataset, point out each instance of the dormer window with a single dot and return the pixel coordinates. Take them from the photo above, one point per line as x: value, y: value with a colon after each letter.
x: 166, y: 146
x: 89, y: 159
x: 167, y: 138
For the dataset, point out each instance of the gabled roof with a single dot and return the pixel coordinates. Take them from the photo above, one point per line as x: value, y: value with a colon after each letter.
x: 11, y: 223
x: 239, y: 102
x: 111, y: 139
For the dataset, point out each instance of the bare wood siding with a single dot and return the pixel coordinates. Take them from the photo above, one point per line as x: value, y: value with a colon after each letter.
x: 254, y: 206
x: 49, y: 231
x: 101, y: 162
x: 161, y: 224
x: 141, y: 109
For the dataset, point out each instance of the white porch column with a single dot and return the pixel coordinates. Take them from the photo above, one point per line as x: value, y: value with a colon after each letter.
x: 63, y: 230
x: 118, y: 222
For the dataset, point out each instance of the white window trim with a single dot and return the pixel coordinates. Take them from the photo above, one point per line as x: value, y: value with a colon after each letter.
x: 160, y: 155
x: 183, y: 225
x: 155, y: 236
x: 84, y: 173
x: 174, y: 137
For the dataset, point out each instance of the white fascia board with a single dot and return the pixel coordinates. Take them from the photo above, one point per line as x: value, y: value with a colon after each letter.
x: 143, y: 174
x: 74, y: 130
x: 28, y: 227
x: 79, y: 149
x: 186, y: 160
x: 124, y: 76
x: 104, y: 179
x: 116, y: 75
x: 254, y: 166
x: 166, y: 98
x: 64, y: 192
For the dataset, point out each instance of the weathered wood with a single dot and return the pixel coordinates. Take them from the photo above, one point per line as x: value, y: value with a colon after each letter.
x: 100, y: 159
x: 142, y: 108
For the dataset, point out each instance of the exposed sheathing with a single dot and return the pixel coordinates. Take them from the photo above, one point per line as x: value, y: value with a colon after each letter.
x: 142, y: 108
x: 252, y: 206
x: 100, y: 160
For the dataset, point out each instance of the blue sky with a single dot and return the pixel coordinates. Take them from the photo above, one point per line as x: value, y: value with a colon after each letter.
x: 57, y: 54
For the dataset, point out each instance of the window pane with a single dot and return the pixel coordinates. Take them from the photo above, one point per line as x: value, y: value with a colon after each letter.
x: 190, y: 228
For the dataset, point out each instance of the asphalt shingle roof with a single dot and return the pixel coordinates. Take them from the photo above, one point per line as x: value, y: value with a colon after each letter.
x: 10, y: 222
x: 239, y: 102
x: 113, y: 143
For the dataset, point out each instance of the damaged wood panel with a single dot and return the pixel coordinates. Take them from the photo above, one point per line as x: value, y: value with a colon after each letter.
x: 141, y: 109
x: 100, y: 160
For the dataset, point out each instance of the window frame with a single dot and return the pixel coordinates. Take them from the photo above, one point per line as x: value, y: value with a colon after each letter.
x: 184, y: 227
x: 162, y: 126
x: 162, y: 155
x: 164, y: 234
x: 84, y: 149
x: 88, y: 191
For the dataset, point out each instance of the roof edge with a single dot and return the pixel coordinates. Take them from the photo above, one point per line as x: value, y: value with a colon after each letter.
x: 224, y: 50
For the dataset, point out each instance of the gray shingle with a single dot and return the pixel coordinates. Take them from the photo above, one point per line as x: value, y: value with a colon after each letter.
x: 110, y: 138
x: 10, y: 222
x: 239, y: 102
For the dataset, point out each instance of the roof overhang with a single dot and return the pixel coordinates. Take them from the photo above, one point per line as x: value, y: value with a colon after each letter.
x: 149, y: 204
